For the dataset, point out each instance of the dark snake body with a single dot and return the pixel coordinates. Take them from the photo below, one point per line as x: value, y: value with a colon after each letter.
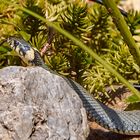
x: 123, y: 122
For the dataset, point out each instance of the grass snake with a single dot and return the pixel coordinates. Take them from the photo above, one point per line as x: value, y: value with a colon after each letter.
x: 123, y: 122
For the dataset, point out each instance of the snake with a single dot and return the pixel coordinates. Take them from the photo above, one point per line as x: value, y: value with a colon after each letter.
x: 122, y: 122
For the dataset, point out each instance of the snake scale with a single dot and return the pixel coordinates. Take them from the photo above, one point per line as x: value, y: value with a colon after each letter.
x: 123, y: 122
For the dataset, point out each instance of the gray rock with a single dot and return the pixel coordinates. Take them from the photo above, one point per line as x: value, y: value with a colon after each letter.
x: 38, y: 105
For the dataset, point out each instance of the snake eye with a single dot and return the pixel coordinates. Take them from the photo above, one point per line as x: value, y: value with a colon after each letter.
x: 16, y: 43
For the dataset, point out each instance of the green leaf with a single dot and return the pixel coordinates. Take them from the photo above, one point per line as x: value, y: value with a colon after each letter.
x: 133, y: 99
x: 2, y: 49
x: 25, y: 35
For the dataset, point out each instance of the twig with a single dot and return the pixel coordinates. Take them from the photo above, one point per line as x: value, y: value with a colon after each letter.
x: 47, y: 45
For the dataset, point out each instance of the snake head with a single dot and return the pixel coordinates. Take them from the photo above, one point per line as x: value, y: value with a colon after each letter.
x: 23, y: 49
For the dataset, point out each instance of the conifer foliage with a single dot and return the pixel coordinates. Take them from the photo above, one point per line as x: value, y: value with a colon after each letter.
x: 90, y: 23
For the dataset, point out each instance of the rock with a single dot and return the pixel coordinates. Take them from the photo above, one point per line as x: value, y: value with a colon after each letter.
x: 38, y: 105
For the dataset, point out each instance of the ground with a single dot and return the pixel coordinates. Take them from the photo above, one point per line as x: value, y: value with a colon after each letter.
x: 117, y: 101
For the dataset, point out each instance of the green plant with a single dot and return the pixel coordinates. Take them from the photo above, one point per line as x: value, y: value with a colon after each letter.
x: 90, y: 24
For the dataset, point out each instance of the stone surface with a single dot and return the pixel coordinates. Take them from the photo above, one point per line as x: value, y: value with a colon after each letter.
x: 38, y: 105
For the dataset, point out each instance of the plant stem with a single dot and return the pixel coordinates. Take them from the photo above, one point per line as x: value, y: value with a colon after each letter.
x: 84, y: 47
x: 123, y: 28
